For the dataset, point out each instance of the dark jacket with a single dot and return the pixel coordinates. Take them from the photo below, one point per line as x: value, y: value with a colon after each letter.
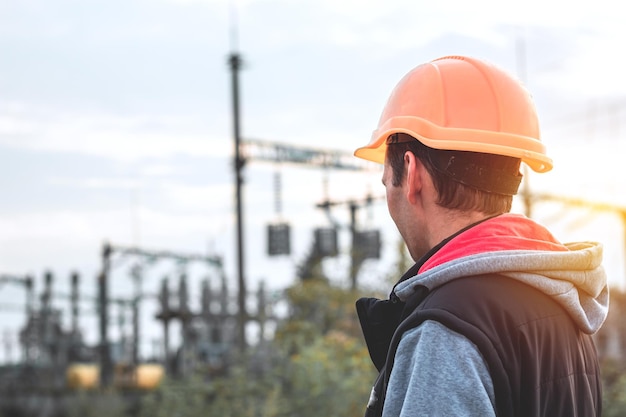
x: 540, y: 362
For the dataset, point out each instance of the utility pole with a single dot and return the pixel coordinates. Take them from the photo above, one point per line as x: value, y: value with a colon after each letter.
x: 235, y: 62
x: 268, y: 151
x: 106, y: 364
x: 355, y: 261
x: 361, y: 243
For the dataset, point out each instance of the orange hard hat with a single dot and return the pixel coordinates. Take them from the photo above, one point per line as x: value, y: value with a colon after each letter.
x: 463, y: 104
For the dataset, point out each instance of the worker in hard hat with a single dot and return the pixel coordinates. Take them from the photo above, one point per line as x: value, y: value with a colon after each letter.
x: 496, y: 316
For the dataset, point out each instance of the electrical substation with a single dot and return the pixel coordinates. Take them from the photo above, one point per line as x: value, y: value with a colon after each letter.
x: 202, y: 328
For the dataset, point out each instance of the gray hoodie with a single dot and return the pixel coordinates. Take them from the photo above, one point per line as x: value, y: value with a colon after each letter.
x: 458, y: 382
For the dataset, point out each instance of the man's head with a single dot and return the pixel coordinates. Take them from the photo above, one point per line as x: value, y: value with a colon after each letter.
x: 452, y: 136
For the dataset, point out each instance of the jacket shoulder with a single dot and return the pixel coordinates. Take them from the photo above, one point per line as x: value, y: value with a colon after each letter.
x: 532, y: 347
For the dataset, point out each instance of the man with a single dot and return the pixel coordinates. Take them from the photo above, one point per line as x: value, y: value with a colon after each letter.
x: 496, y: 316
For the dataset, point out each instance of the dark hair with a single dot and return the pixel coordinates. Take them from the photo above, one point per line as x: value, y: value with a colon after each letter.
x: 452, y: 192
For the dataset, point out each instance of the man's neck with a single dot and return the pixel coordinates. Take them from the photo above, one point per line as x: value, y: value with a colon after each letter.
x: 451, y: 222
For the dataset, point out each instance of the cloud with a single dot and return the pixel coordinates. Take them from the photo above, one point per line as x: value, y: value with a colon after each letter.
x: 96, y: 183
x: 119, y: 137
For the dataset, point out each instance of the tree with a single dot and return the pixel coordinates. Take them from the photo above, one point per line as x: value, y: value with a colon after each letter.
x: 326, y: 368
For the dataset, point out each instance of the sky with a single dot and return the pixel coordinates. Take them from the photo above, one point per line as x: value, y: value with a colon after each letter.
x: 116, y: 126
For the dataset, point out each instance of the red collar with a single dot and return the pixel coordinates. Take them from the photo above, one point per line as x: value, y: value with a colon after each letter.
x: 501, y: 233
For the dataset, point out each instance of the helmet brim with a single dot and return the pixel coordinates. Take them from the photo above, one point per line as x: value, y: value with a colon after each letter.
x: 530, y: 150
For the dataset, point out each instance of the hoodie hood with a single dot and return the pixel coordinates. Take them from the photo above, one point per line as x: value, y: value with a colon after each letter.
x: 516, y: 247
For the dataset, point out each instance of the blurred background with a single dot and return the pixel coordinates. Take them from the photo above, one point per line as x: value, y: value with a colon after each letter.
x: 125, y: 254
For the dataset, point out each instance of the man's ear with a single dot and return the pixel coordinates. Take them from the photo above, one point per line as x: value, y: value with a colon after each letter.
x: 414, y: 176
